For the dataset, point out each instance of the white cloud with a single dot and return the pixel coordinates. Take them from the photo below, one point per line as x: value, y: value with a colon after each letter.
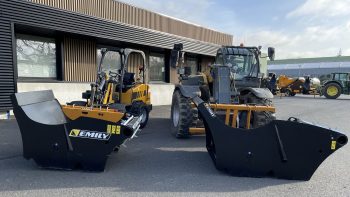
x: 314, y: 41
x: 189, y: 10
x: 315, y: 28
x: 322, y: 8
x: 346, y: 52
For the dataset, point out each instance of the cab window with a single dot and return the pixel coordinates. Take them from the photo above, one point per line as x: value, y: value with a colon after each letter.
x: 219, y: 59
x: 341, y: 76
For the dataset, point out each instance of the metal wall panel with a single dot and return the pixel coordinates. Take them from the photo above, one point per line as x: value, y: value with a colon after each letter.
x: 7, y: 82
x: 21, y: 12
x: 37, y: 15
x: 125, y: 13
x: 79, y: 60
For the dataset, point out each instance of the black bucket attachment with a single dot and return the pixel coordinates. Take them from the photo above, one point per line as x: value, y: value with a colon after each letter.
x: 54, y: 141
x: 283, y: 149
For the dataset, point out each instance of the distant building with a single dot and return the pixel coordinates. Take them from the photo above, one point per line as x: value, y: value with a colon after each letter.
x: 314, y: 67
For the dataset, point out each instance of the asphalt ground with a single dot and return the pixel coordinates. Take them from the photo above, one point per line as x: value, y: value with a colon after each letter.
x: 157, y: 164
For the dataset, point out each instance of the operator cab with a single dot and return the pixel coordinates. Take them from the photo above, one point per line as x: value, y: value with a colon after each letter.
x: 244, y: 62
x: 114, y: 64
x: 341, y: 76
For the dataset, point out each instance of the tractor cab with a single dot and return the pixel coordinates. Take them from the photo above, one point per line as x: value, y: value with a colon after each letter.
x: 244, y: 63
x: 341, y: 76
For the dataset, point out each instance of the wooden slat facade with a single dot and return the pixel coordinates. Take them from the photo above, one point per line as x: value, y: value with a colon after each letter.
x: 80, y: 60
x: 125, y: 13
x: 134, y: 61
x: 79, y: 63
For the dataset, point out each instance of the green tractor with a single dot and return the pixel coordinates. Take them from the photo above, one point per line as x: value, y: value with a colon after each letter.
x: 338, y: 84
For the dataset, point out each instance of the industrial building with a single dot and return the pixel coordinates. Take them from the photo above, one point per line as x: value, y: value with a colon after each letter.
x: 53, y: 44
x: 315, y: 67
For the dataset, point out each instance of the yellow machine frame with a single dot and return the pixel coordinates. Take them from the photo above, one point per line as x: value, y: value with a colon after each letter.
x: 235, y: 109
x: 74, y: 112
x: 140, y: 92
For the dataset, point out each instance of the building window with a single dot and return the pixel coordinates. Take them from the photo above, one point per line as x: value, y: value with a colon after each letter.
x: 156, y: 67
x: 192, y: 62
x: 36, y: 57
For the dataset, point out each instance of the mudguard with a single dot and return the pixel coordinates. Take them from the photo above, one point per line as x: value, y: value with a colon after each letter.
x: 53, y: 141
x: 259, y: 92
x: 281, y: 149
x: 188, y: 91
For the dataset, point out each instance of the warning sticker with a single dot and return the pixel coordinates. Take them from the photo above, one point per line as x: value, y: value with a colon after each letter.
x: 89, y: 134
x: 333, y: 144
x: 113, y: 129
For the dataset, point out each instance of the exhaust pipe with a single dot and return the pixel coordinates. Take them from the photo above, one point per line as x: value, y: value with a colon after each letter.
x: 132, y: 126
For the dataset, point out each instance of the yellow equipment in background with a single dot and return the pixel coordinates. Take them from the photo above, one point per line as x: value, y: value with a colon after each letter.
x: 297, y: 85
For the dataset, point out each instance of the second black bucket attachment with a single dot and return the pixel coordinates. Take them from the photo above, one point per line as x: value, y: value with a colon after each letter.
x: 283, y: 149
x: 53, y: 140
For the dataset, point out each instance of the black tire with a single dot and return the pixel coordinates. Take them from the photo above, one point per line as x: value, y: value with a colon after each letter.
x: 145, y: 112
x: 288, y: 92
x: 327, y: 92
x: 139, y: 108
x: 183, y: 116
x: 260, y: 119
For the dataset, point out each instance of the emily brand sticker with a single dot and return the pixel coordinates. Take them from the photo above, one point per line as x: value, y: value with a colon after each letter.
x: 89, y: 134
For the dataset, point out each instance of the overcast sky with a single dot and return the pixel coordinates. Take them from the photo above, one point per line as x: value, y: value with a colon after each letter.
x: 296, y: 28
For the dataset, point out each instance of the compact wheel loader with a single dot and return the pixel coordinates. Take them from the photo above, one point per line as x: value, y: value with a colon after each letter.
x: 116, y: 88
x: 81, y: 135
x: 243, y: 138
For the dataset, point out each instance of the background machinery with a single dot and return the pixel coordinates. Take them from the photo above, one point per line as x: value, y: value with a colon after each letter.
x: 338, y: 84
x: 298, y: 85
x: 235, y: 78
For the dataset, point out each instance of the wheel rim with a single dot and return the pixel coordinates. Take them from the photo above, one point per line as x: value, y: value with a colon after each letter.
x: 332, y: 90
x: 288, y: 92
x: 144, y: 115
x: 176, y: 115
